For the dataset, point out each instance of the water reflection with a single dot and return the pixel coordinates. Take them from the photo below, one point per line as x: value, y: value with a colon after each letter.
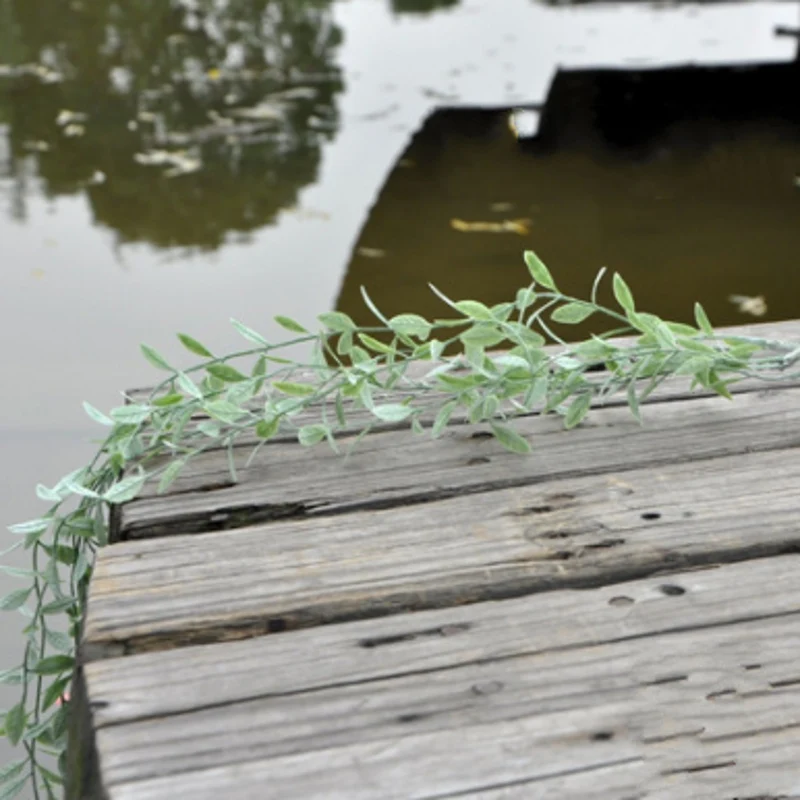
x: 183, y: 120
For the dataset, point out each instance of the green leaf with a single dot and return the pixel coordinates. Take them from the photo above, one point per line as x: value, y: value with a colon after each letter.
x: 168, y: 400
x: 623, y: 293
x: 443, y: 417
x: 48, y: 495
x: 58, y: 606
x: 310, y: 435
x: 525, y: 298
x: 392, y: 412
x: 539, y: 271
x: 125, y: 490
x: 482, y: 335
x: 155, y: 358
x: 577, y: 410
x: 14, y: 600
x: 509, y: 438
x: 132, y: 414
x: 12, y: 790
x: 250, y: 334
x: 411, y: 325
x: 193, y: 346
x: 337, y: 321
x: 633, y: 401
x: 59, y: 641
x: 474, y: 310
x: 14, y: 723
x: 289, y: 324
x: 536, y: 393
x: 701, y: 318
x: 10, y: 771
x: 189, y: 386
x: 225, y: 372
x: 31, y: 526
x: 266, y: 429
x: 170, y: 474
x: 97, y: 416
x: 11, y: 677
x: 344, y: 345
x: 294, y: 389
x: 572, y: 313
x: 54, y: 665
x: 224, y: 411
x: 374, y: 344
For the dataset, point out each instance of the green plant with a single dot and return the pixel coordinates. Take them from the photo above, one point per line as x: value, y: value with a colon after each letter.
x: 405, y: 370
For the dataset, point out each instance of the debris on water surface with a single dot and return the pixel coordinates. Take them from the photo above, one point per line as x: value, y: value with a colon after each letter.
x: 756, y: 306
x: 66, y: 117
x: 518, y: 226
x: 371, y: 252
x: 74, y: 130
x: 180, y: 161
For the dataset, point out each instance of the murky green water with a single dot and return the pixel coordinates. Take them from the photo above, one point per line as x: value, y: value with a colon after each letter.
x: 168, y: 164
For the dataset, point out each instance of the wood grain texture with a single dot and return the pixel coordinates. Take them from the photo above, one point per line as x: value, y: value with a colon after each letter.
x: 569, y: 532
x: 393, y: 468
x: 701, y: 690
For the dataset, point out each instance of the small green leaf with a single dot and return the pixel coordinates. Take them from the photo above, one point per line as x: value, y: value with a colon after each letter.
x: 48, y: 495
x: 125, y: 490
x: 474, y: 310
x: 633, y: 401
x: 59, y: 641
x: 443, y: 417
x: 155, y: 358
x: 10, y: 771
x: 539, y: 271
x: 224, y: 411
x: 374, y: 344
x: 189, y: 386
x: 14, y: 723
x: 337, y: 321
x: 509, y: 438
x: 392, y: 412
x: 14, y: 600
x: 31, y: 526
x: 132, y: 414
x: 12, y: 790
x: 170, y: 474
x: 344, y: 345
x: 572, y: 313
x: 225, y: 372
x: 623, y: 293
x: 294, y: 389
x: 309, y: 435
x: 193, y: 346
x: 289, y: 324
x: 54, y: 665
x: 250, y: 334
x: 482, y: 334
x: 701, y: 318
x: 168, y: 400
x: 525, y: 298
x: 411, y: 325
x: 11, y: 677
x: 536, y: 392
x: 97, y: 416
x: 577, y: 410
x: 58, y: 606
x: 266, y: 429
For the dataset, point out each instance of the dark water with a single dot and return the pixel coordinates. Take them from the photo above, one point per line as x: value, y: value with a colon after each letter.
x: 166, y: 165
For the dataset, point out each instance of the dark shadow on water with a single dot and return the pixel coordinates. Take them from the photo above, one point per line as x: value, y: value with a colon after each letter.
x: 240, y: 96
x: 684, y: 180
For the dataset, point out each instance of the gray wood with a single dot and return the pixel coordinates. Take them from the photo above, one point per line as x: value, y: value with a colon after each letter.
x: 652, y: 706
x: 393, y: 468
x: 569, y: 532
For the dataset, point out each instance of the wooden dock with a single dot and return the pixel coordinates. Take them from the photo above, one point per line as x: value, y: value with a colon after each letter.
x: 614, y: 617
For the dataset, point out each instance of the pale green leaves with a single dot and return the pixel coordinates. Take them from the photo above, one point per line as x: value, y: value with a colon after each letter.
x: 539, y: 271
x: 572, y: 313
x: 193, y: 346
x: 510, y: 439
x: 125, y: 490
x: 411, y: 325
x: 392, y: 412
x: 702, y: 320
x: 623, y: 294
x: 287, y: 323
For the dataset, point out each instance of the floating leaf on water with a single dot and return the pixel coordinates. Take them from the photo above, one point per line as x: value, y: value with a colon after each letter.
x: 371, y: 252
x: 518, y: 226
x: 74, y: 130
x: 756, y: 306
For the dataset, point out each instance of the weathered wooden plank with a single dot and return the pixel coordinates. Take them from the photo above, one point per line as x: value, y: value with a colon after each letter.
x: 393, y: 468
x: 175, y: 681
x: 693, y: 691
x: 499, y: 544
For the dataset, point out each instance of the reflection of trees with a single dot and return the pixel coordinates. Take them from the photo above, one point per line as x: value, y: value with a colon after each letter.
x: 244, y: 89
x: 421, y: 6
